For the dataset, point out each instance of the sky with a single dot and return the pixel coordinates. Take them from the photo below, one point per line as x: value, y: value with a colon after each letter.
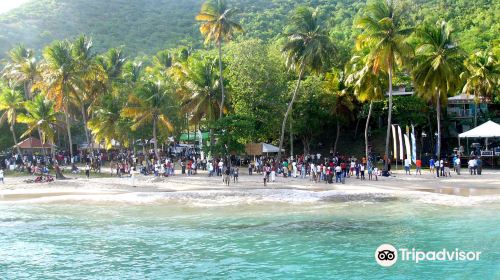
x: 7, y: 5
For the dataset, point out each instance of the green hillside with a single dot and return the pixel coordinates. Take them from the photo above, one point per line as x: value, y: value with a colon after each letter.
x: 146, y: 26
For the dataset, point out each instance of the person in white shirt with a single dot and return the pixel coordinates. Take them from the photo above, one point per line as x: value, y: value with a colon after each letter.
x: 1, y: 176
x: 457, y: 165
x: 407, y: 166
x: 221, y: 165
x: 441, y: 166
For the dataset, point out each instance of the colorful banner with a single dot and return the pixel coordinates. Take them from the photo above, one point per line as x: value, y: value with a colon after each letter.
x: 401, y: 149
x: 414, y: 145
x: 394, y: 142
x: 407, y: 144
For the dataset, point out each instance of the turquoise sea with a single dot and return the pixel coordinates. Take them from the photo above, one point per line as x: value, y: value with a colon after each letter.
x: 176, y: 239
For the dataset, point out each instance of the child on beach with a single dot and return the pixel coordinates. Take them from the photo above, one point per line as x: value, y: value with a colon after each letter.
x: 87, y: 170
x: 235, y: 174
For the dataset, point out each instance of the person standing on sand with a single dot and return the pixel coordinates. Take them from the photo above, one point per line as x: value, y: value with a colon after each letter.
x: 87, y: 170
x: 273, y: 173
x: 1, y: 176
x: 457, y: 164
x: 132, y: 176
x: 431, y: 165
x: 418, y: 163
x: 236, y: 172
x: 407, y: 166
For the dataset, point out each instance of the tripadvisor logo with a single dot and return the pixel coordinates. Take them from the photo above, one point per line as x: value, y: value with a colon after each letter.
x: 387, y: 255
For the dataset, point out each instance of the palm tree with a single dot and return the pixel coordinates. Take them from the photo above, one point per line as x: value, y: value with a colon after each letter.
x: 385, y: 37
x: 42, y: 116
x: 218, y: 26
x: 108, y: 124
x: 368, y: 86
x: 61, y: 79
x: 308, y: 46
x: 152, y: 103
x: 482, y: 77
x: 22, y: 68
x: 199, y: 87
x: 10, y: 102
x: 344, y: 104
x: 93, y: 81
x: 439, y: 62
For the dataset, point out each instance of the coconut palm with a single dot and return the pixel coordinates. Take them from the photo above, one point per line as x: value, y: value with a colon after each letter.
x: 385, y: 37
x: 344, y: 100
x: 438, y: 64
x: 368, y: 86
x: 107, y: 123
x: 308, y: 46
x: 42, y: 116
x: 11, y: 101
x: 482, y: 77
x: 22, y: 68
x: 152, y: 103
x: 93, y: 80
x: 218, y: 26
x: 61, y: 79
x: 199, y: 88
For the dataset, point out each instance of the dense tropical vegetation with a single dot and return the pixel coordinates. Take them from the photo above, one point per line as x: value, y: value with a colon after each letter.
x: 314, y: 73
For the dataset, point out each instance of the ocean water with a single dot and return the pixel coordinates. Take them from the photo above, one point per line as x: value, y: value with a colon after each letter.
x: 242, y: 238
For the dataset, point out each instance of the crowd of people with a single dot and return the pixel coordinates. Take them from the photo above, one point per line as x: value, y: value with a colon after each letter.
x: 316, y: 168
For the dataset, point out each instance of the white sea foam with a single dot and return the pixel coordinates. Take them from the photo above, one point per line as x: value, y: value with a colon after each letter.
x: 213, y: 198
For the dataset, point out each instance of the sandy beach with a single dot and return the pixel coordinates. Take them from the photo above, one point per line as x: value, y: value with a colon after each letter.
x: 466, y: 188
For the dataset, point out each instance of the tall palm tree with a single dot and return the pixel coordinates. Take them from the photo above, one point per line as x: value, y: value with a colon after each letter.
x: 438, y: 64
x: 61, y: 79
x: 42, y: 116
x: 199, y: 83
x: 153, y: 102
x: 11, y: 102
x: 368, y: 86
x: 482, y: 77
x: 308, y: 46
x: 22, y: 68
x: 385, y: 37
x: 217, y: 26
x: 344, y: 102
x: 93, y: 81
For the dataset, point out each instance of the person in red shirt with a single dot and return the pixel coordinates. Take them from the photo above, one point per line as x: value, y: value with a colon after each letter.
x: 418, y: 163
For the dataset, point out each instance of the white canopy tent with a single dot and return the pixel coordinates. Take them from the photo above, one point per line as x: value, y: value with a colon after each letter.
x: 268, y: 148
x: 488, y: 129
x: 257, y: 149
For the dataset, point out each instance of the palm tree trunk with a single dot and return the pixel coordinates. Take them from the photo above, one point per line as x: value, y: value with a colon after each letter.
x: 438, y: 116
x: 87, y: 132
x: 221, y: 79
x: 356, y: 129
x: 15, y: 139
x: 336, y: 138
x: 68, y: 129
x: 366, y: 129
x: 42, y: 143
x: 155, y: 144
x: 26, y: 90
x: 289, y: 109
x: 475, y: 113
x: 291, y: 137
x: 389, y: 120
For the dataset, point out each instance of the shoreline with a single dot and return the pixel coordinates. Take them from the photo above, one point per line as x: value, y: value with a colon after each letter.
x: 464, y: 187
